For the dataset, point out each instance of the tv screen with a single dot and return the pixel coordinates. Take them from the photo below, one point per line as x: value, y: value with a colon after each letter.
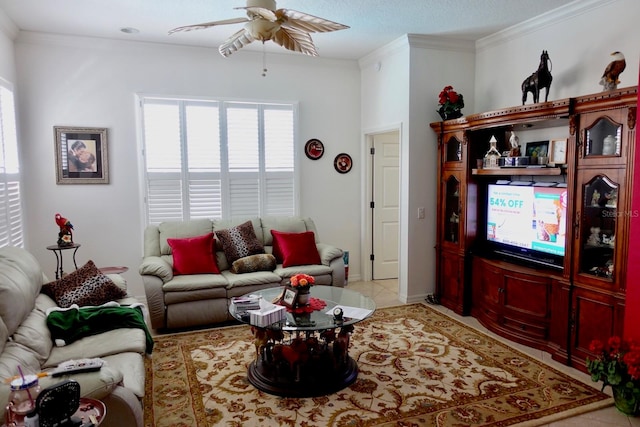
x: 529, y: 221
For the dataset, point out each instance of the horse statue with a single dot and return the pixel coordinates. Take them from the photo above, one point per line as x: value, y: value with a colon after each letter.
x: 538, y: 80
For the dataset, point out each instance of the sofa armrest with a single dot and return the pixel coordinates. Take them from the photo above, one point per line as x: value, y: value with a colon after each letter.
x: 156, y: 266
x: 155, y: 300
x: 96, y: 385
x: 337, y: 272
x: 118, y: 280
x: 328, y: 253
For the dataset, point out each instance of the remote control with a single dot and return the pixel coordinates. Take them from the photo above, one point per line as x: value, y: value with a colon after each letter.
x: 77, y: 366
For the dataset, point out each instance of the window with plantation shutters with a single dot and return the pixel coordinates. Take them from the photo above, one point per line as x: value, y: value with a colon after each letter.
x: 215, y: 159
x: 11, y: 229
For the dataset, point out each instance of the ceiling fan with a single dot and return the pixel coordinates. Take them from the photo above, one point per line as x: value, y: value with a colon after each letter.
x: 288, y: 28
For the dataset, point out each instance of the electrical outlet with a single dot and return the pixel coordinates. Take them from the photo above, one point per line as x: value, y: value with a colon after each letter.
x: 420, y: 213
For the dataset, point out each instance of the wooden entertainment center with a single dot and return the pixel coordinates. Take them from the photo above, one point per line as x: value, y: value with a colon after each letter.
x: 556, y: 308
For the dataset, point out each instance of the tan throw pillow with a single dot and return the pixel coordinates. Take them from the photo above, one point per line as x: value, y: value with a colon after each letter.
x: 239, y: 241
x: 249, y: 264
x: 85, y: 286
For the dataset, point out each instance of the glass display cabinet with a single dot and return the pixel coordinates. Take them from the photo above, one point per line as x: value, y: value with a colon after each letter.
x: 453, y: 150
x: 603, y: 138
x: 597, y: 232
x: 452, y: 210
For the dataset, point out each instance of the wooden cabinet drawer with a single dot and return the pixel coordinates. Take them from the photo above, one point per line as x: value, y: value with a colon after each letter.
x: 525, y: 328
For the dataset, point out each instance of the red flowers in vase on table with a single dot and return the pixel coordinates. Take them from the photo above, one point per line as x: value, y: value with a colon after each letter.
x: 450, y: 103
x: 302, y: 281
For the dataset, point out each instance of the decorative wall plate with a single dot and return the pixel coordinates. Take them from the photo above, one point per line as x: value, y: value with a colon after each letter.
x: 314, y: 149
x: 343, y: 163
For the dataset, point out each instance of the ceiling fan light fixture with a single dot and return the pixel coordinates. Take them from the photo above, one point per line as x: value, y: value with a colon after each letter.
x: 261, y: 29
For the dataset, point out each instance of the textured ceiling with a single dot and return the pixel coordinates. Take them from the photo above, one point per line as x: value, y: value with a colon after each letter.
x: 373, y: 23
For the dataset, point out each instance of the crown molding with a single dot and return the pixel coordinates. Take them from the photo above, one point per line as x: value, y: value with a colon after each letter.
x: 419, y: 41
x: 7, y: 26
x: 423, y: 41
x: 555, y: 16
x: 390, y: 48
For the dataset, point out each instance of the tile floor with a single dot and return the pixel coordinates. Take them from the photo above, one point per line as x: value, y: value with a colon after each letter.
x: 385, y: 294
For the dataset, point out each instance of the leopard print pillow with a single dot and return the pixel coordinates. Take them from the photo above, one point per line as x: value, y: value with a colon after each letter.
x: 251, y: 263
x: 239, y: 241
x: 85, y: 286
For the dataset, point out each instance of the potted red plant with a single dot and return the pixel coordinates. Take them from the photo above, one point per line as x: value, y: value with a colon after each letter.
x: 617, y: 363
x: 450, y: 103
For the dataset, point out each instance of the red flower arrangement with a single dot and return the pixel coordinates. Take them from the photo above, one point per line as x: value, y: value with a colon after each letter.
x: 302, y: 280
x: 450, y: 103
x: 617, y: 364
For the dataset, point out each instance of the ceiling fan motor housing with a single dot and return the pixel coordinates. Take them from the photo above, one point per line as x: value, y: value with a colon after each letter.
x: 266, y: 4
x: 262, y: 29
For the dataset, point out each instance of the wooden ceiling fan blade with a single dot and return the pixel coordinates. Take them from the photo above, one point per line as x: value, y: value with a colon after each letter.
x: 295, y: 40
x: 237, y: 41
x: 308, y: 23
x: 209, y: 24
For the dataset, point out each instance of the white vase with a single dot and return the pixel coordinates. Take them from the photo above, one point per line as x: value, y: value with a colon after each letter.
x: 609, y: 145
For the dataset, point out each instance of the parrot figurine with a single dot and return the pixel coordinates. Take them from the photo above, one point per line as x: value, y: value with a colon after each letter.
x: 65, y: 236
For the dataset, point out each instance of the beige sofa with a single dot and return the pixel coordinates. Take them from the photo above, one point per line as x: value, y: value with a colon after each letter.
x: 25, y: 341
x: 180, y: 301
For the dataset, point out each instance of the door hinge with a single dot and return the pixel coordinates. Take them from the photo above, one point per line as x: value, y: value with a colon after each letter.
x: 372, y: 205
x: 372, y: 151
x: 371, y: 257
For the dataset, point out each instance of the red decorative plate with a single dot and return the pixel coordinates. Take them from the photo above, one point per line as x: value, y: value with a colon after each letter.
x: 343, y: 163
x: 314, y: 149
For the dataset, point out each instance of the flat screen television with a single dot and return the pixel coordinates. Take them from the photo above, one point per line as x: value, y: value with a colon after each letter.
x: 527, y: 223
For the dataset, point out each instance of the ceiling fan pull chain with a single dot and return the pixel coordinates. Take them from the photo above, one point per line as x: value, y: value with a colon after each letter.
x: 264, y: 61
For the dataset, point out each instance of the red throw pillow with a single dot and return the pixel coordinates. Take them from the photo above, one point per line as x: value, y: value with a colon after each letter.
x: 194, y: 255
x: 295, y: 248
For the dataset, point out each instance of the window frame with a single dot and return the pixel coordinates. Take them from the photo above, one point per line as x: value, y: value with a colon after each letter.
x: 12, y: 230
x: 186, y: 176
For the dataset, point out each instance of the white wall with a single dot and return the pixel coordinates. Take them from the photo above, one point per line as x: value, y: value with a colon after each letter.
x: 7, y: 57
x: 435, y: 63
x: 71, y: 81
x: 579, y: 38
x: 400, y: 87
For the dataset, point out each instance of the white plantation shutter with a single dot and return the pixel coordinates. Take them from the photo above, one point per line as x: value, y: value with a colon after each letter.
x: 11, y: 233
x: 211, y: 159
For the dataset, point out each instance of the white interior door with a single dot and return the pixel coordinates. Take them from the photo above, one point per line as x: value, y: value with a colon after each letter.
x: 386, y: 198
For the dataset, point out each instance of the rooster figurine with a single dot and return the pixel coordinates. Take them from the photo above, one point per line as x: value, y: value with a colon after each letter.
x: 65, y: 236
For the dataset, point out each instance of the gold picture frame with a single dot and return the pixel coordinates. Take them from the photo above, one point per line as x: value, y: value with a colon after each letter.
x: 558, y: 151
x: 81, y: 155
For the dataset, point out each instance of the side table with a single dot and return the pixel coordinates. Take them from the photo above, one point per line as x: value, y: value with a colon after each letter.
x: 113, y: 270
x: 57, y: 250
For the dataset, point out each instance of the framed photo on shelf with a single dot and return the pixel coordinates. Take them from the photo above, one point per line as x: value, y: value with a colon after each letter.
x: 537, y: 149
x: 81, y: 155
x: 558, y: 151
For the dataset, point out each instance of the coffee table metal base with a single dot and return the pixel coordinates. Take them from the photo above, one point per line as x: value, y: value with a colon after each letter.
x: 303, y: 381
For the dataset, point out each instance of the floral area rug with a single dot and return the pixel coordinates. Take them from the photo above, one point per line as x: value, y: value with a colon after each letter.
x: 417, y: 367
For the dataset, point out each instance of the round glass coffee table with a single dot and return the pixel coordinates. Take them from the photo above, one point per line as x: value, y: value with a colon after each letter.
x: 307, y: 353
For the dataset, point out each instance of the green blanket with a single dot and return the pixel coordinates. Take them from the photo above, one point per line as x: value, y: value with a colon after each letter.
x: 72, y: 324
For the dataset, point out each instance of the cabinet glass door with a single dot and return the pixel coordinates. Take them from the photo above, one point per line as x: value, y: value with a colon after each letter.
x: 453, y: 152
x: 598, y: 227
x: 604, y: 138
x: 452, y: 210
